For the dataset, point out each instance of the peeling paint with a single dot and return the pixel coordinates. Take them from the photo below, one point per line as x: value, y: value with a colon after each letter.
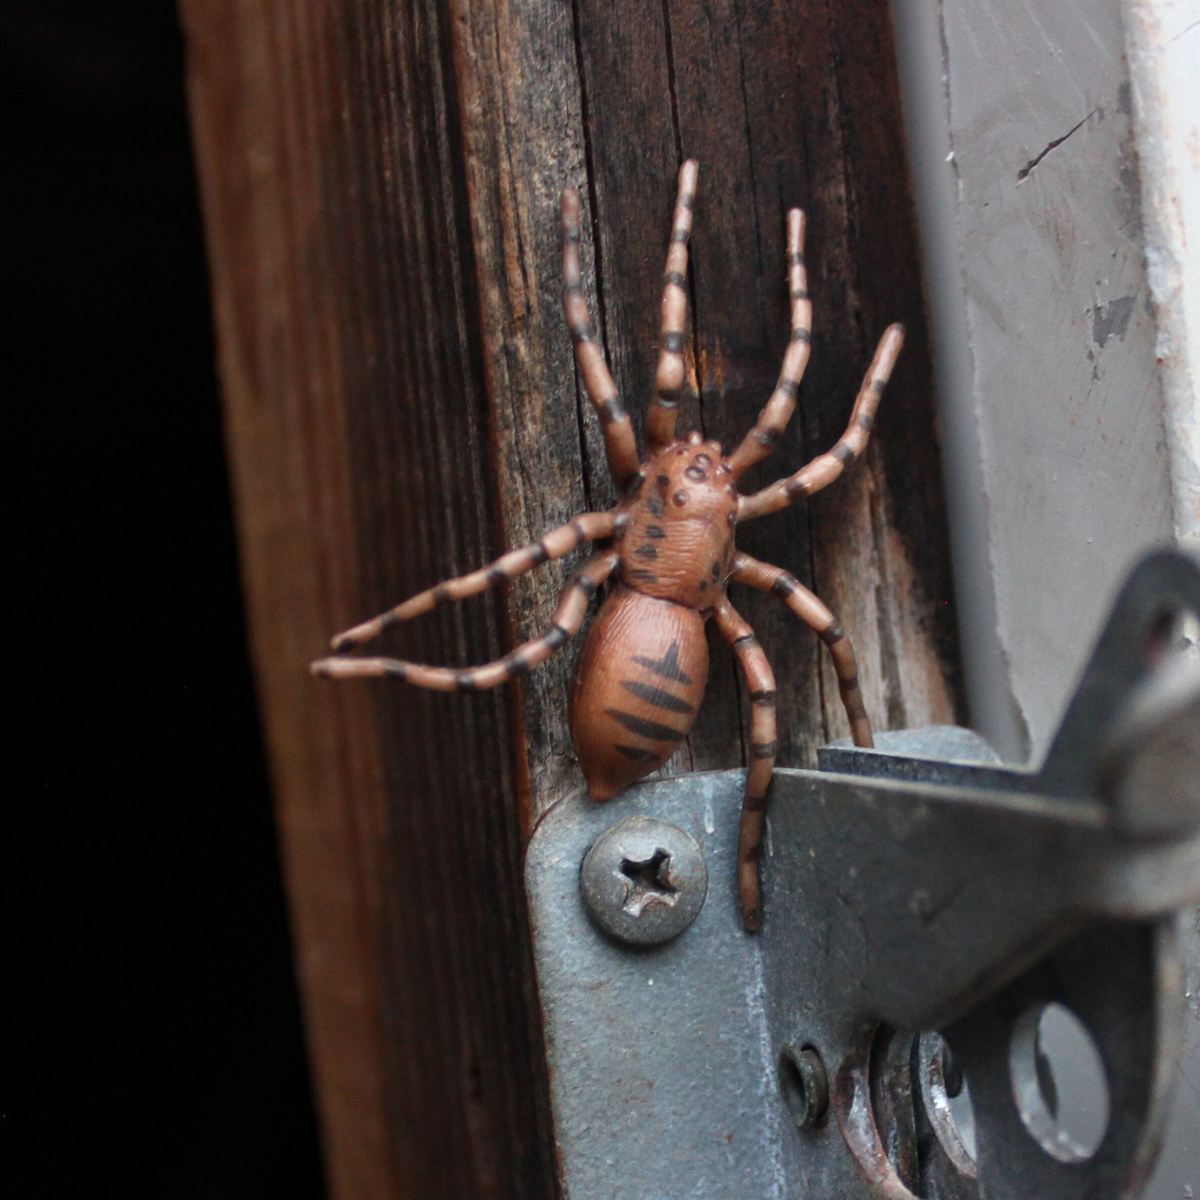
x: 1112, y: 319
x: 1164, y: 64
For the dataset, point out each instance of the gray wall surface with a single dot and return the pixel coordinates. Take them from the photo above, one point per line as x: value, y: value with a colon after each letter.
x: 1020, y: 117
x: 1049, y: 390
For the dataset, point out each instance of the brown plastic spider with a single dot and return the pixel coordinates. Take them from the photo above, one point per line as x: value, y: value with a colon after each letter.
x: 643, y: 669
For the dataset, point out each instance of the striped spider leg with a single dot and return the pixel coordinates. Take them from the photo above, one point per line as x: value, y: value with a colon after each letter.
x: 572, y: 609
x: 814, y: 476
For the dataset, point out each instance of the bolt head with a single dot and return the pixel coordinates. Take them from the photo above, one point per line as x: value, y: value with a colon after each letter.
x: 643, y: 881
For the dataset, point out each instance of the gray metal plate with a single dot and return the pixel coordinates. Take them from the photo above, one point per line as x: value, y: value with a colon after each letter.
x: 663, y: 1070
x: 664, y: 1059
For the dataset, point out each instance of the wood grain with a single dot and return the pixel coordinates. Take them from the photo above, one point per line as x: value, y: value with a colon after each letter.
x: 359, y: 437
x: 381, y: 187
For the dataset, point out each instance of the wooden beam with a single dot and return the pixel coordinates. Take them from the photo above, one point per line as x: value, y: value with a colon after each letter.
x: 381, y: 184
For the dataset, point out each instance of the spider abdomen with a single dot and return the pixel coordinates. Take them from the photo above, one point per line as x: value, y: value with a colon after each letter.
x: 638, y: 687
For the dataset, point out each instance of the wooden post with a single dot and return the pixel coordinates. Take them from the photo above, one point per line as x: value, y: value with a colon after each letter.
x: 380, y: 185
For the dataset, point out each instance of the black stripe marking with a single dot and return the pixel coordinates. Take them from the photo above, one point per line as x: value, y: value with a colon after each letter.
x: 795, y: 489
x: 842, y: 453
x: 877, y: 386
x: 832, y: 632
x: 754, y: 804
x: 581, y: 333
x: 655, y: 505
x: 796, y: 258
x: 763, y: 749
x: 557, y: 636
x: 672, y: 342
x: 636, y: 753
x: 799, y: 294
x: 517, y: 664
x: 465, y: 681
x: 610, y: 410
x: 571, y: 235
x: 667, y: 667
x: 801, y: 335
x: 441, y: 594
x: 789, y: 387
x: 397, y: 670
x: 647, y: 552
x: 687, y: 199
x: 387, y: 620
x: 765, y: 697
x: 635, y: 485
x: 669, y: 399
x: 767, y: 435
x: 656, y: 696
x: 496, y: 575
x: 784, y: 586
x: 655, y: 531
x: 864, y: 421
x: 586, y: 584
x: 680, y: 235
x: 747, y: 640
x: 642, y: 576
x: 675, y: 277
x: 654, y: 730
x: 573, y: 287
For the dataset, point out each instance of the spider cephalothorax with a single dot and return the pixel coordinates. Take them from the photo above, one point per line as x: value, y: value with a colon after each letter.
x: 670, y: 557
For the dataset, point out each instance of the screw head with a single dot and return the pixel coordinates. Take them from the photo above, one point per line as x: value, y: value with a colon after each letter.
x: 805, y: 1086
x: 643, y: 881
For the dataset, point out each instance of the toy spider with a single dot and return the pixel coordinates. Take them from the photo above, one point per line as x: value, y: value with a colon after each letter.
x: 643, y: 669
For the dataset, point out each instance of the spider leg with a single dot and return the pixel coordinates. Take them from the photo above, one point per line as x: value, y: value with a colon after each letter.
x: 672, y: 371
x: 555, y: 544
x: 773, y: 419
x: 813, y: 613
x: 825, y: 468
x: 619, y: 444
x: 572, y: 608
x: 760, y: 683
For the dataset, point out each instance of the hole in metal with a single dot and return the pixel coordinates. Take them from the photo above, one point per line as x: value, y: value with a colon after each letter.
x: 804, y: 1086
x: 1059, y: 1083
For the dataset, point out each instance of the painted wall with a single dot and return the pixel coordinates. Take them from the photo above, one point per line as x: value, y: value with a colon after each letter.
x: 1056, y: 156
x: 1019, y: 120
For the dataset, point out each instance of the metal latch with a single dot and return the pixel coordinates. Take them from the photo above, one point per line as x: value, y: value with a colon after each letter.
x: 931, y: 918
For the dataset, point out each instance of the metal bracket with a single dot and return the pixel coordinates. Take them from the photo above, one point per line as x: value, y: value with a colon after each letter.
x: 926, y: 908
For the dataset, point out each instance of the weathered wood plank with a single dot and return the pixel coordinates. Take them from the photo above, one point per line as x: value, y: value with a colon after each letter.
x: 358, y: 434
x: 783, y: 107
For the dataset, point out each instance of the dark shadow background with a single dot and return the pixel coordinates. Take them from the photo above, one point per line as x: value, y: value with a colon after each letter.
x: 153, y: 1034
